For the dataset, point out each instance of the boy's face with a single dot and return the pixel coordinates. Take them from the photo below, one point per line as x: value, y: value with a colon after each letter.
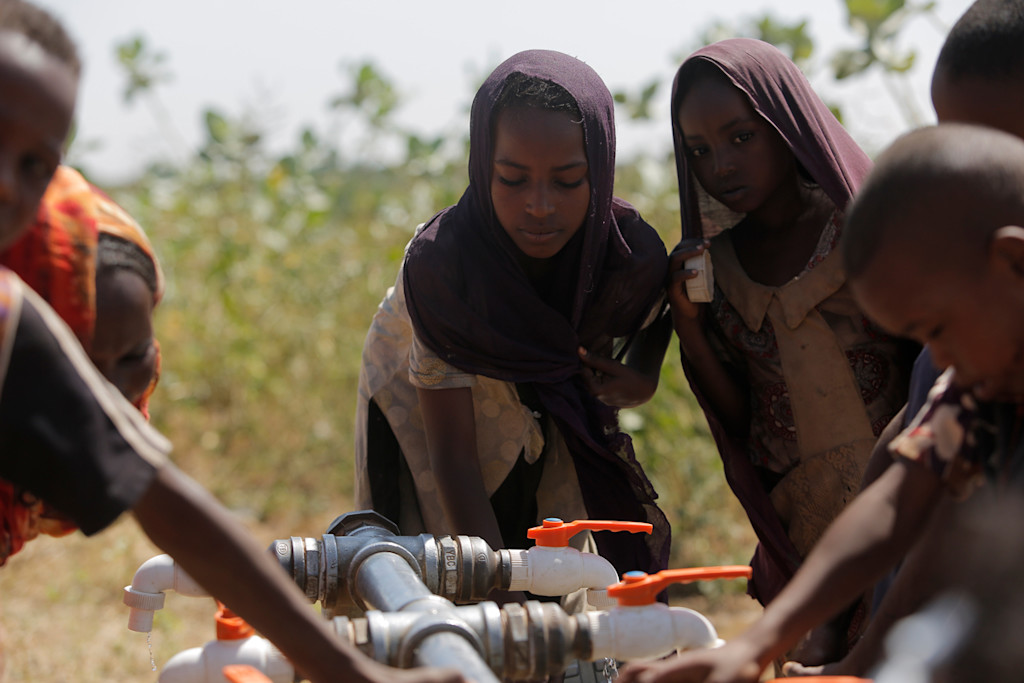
x: 973, y: 321
x: 35, y: 114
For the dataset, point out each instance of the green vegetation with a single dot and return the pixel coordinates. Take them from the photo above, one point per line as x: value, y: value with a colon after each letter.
x: 275, y: 264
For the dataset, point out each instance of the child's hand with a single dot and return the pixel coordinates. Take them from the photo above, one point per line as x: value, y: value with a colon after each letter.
x: 682, y: 307
x: 726, y: 664
x: 614, y: 383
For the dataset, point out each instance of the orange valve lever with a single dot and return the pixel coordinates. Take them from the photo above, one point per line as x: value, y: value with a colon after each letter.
x: 243, y: 673
x: 639, y: 588
x: 554, y: 533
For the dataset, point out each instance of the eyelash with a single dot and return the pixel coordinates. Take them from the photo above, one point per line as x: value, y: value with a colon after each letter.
x: 738, y: 138
x: 516, y: 183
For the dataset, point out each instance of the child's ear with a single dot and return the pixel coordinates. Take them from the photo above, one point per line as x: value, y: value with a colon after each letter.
x: 1007, y: 248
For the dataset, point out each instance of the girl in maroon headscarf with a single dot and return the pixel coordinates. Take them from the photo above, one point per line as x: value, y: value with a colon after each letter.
x: 795, y: 381
x: 488, y: 389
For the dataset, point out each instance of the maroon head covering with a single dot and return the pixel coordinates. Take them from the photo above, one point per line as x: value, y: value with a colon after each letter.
x: 472, y: 304
x: 780, y: 93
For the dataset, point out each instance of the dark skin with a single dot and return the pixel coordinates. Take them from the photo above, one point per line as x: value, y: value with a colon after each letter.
x: 969, y: 99
x: 741, y: 160
x: 540, y: 191
x: 177, y: 514
x: 185, y: 521
x: 969, y: 314
x: 872, y: 533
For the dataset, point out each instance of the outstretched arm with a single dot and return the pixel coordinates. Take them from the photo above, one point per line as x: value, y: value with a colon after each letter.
x: 866, y: 539
x: 185, y: 521
x: 450, y: 425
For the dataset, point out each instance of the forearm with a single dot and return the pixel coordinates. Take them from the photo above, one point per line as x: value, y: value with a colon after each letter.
x: 881, y: 458
x: 874, y: 531
x: 450, y: 428
x: 647, y: 352
x: 716, y: 384
x: 916, y: 582
x: 212, y: 546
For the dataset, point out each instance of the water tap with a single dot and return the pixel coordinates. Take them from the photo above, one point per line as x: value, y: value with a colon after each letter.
x: 145, y: 594
x: 640, y: 628
x: 552, y: 567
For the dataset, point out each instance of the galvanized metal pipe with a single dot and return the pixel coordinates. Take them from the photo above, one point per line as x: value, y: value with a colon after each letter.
x: 384, y: 575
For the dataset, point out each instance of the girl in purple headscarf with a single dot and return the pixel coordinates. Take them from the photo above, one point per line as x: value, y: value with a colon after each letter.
x: 796, y: 383
x: 489, y: 384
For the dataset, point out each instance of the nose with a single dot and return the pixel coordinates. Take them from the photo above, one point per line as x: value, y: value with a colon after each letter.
x: 538, y: 201
x: 725, y: 162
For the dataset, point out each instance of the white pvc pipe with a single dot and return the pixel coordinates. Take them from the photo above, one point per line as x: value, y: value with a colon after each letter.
x: 649, y: 632
x: 145, y: 595
x: 561, y: 571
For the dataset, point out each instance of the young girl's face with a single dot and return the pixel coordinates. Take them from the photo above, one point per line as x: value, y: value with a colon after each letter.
x: 122, y: 346
x: 35, y: 114
x: 735, y: 154
x: 540, y: 183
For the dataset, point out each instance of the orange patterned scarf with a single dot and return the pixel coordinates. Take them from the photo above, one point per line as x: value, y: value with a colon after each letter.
x: 57, y: 258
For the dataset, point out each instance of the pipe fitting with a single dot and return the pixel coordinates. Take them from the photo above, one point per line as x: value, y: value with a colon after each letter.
x: 648, y: 632
x: 517, y: 642
x: 145, y: 594
x: 428, y: 625
x: 562, y: 570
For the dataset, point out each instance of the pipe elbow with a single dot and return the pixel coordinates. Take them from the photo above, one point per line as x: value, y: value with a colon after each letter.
x: 145, y: 594
x: 692, y: 630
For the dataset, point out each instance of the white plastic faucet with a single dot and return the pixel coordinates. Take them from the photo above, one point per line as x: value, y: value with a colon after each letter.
x: 640, y: 628
x: 145, y: 595
x: 552, y: 567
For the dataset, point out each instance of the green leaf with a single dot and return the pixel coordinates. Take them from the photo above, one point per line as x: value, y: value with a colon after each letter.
x: 217, y: 127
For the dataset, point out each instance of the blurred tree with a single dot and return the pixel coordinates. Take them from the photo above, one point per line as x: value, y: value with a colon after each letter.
x: 276, y: 262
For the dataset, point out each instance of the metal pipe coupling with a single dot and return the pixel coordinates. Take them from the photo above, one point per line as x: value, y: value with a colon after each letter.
x: 462, y: 569
x: 530, y: 641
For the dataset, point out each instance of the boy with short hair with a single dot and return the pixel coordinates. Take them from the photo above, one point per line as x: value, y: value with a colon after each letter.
x: 978, y: 78
x: 934, y: 251
x: 70, y: 438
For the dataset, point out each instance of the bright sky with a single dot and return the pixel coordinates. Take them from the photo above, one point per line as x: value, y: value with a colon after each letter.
x: 281, y: 61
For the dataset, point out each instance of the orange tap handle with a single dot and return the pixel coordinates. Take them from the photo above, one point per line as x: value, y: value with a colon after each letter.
x: 554, y: 533
x: 230, y: 626
x: 638, y: 588
x: 243, y: 673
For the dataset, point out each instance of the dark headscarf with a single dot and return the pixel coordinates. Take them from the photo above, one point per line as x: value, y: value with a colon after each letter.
x: 780, y: 93
x: 472, y: 304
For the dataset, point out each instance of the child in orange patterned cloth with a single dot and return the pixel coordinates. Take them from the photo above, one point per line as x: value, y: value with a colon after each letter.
x: 113, y: 318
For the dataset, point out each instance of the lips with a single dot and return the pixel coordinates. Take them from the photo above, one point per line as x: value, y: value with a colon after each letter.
x: 733, y: 193
x: 539, y: 235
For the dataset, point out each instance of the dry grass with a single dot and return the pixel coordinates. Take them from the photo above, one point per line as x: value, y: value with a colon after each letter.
x: 62, y: 616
